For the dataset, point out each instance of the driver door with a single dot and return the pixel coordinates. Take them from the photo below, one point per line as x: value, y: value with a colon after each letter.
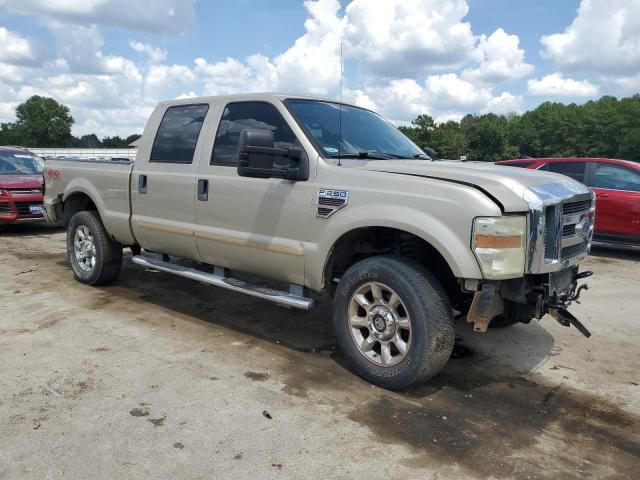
x: 259, y: 225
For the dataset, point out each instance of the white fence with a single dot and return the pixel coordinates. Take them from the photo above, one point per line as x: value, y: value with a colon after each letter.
x: 85, y: 153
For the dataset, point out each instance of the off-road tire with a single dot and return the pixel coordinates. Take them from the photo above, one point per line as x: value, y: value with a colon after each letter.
x: 429, y: 310
x: 108, y: 253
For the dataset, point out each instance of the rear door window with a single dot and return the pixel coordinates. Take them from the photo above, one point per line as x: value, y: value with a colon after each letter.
x: 178, y: 134
x: 616, y: 177
x: 575, y: 170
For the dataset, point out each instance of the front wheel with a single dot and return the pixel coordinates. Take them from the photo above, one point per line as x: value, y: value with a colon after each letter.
x: 393, y: 321
x: 95, y: 258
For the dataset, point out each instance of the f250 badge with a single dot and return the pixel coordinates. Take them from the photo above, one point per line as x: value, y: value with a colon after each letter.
x: 330, y: 201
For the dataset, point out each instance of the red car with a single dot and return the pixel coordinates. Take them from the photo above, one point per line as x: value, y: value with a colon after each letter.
x: 616, y: 184
x: 20, y: 185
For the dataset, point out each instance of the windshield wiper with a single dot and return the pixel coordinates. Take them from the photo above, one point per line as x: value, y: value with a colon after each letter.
x: 375, y: 155
x: 364, y: 155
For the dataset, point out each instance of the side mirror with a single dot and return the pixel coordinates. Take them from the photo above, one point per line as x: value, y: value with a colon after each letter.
x: 257, y: 152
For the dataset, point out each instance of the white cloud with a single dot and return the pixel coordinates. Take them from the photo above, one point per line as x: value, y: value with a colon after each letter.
x: 12, y: 73
x: 504, y: 104
x: 417, y: 56
x: 159, y: 16
x: 399, y: 38
x: 623, y: 85
x: 155, y: 54
x: 604, y: 37
x: 160, y: 79
x: 556, y: 85
x: 500, y: 59
x: 311, y: 65
x: 15, y: 49
x: 444, y: 97
x: 449, y: 92
x: 398, y: 99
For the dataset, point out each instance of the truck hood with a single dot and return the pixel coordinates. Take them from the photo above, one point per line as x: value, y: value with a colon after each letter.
x: 21, y: 181
x: 506, y: 185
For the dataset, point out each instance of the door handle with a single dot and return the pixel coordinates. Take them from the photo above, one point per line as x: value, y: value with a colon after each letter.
x: 203, y: 189
x: 142, y: 184
x: 602, y: 195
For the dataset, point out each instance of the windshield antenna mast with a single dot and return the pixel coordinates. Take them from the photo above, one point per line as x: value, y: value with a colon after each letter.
x: 340, y: 109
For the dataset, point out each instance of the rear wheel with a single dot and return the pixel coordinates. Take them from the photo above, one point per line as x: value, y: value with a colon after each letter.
x: 95, y: 258
x: 393, y: 321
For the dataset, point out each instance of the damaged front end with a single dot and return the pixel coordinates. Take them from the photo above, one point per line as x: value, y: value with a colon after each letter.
x: 521, y: 300
x: 560, y: 229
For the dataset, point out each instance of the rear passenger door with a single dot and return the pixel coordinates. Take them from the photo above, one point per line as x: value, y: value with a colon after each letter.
x: 258, y: 225
x: 163, y: 187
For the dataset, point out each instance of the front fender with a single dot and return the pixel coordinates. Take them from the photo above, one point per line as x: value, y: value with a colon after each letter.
x: 453, y: 246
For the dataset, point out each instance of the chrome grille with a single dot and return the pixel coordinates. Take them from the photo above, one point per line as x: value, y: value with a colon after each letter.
x: 576, y: 207
x: 568, y: 230
x: 5, y: 208
x: 560, y: 225
x: 567, y: 234
x: 574, y: 250
x: 551, y: 228
x: 577, y: 227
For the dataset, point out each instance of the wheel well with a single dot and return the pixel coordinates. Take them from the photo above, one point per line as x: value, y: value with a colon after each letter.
x: 77, y: 202
x: 371, y: 241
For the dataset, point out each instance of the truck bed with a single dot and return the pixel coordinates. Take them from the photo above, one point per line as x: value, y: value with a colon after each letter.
x: 107, y: 182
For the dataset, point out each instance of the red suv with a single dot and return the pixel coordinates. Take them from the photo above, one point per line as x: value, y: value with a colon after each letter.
x: 20, y: 185
x: 616, y: 184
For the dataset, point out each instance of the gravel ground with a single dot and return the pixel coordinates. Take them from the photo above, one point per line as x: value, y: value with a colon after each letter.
x: 159, y: 377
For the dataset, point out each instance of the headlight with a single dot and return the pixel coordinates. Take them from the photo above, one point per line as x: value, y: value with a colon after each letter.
x: 499, y: 245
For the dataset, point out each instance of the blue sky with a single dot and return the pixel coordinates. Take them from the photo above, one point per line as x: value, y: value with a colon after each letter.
x: 111, y: 61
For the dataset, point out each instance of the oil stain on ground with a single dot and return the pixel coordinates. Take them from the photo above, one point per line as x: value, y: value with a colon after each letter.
x: 257, y: 376
x: 506, y: 427
x: 157, y: 422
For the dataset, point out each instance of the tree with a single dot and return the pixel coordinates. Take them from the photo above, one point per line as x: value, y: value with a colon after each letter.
x: 43, y: 122
x: 114, y: 142
x: 10, y: 135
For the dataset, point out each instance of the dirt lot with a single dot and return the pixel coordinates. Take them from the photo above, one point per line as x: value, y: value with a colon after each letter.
x: 158, y: 377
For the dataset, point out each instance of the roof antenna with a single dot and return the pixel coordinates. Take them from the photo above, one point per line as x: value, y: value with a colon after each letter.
x: 340, y: 109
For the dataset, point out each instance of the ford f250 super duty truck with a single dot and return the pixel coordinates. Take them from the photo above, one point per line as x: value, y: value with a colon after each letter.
x: 330, y: 198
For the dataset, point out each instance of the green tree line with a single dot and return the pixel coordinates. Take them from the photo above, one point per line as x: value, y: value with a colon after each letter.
x: 608, y: 127
x: 43, y: 122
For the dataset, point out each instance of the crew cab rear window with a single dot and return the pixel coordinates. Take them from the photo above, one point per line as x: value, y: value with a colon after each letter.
x: 239, y: 116
x: 178, y: 134
x: 575, y: 170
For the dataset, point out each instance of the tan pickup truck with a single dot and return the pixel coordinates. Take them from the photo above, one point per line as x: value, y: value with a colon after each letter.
x: 324, y: 197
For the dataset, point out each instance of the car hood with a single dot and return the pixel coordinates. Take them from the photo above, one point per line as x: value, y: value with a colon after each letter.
x: 21, y: 181
x: 507, y: 185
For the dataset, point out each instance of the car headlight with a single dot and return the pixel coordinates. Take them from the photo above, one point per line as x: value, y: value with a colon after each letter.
x: 499, y: 245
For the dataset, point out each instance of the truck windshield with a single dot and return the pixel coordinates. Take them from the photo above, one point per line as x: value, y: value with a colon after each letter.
x: 354, y: 133
x: 18, y: 163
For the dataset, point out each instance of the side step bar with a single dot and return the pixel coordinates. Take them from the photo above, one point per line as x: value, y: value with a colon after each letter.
x: 275, y: 296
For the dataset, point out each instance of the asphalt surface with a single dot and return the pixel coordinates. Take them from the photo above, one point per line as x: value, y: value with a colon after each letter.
x: 159, y: 377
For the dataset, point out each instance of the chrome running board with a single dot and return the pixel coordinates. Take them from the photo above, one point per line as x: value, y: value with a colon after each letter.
x: 275, y: 296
